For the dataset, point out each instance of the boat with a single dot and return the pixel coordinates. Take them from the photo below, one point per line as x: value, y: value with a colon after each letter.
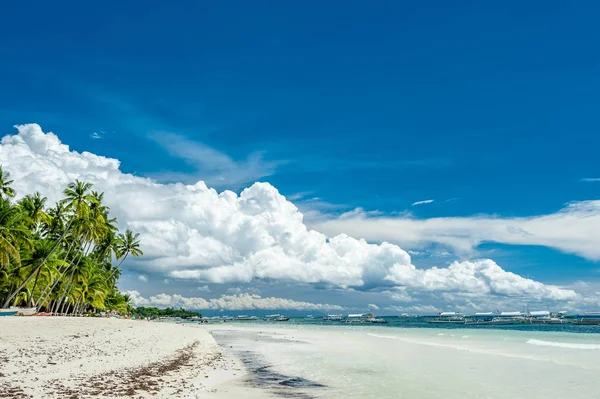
x: 496, y: 321
x: 7, y: 312
x: 587, y: 319
x: 24, y: 311
x: 361, y: 318
x: 545, y: 317
x: 211, y: 320
x: 310, y: 316
x: 43, y: 314
x: 448, y: 318
x: 275, y: 317
x: 245, y: 317
x: 333, y: 317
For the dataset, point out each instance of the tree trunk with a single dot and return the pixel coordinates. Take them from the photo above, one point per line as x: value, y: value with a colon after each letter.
x: 46, y: 293
x: 119, y: 265
x: 14, y: 293
x: 30, y: 302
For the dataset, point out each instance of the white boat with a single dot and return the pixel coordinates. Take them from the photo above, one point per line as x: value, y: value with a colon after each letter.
x: 333, y: 317
x: 24, y: 311
x: 275, y: 317
x: 8, y: 312
x: 545, y: 317
x: 245, y: 317
x: 448, y: 318
x: 588, y: 319
x: 363, y: 318
x: 211, y: 320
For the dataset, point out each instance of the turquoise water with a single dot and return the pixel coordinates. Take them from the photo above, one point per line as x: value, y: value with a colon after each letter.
x: 309, y: 358
x: 421, y: 322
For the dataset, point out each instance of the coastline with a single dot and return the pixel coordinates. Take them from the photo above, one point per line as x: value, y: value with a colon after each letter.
x: 336, y: 362
x: 64, y: 357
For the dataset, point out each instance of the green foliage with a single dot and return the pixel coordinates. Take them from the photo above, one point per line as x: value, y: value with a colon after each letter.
x: 168, y: 312
x: 61, y: 258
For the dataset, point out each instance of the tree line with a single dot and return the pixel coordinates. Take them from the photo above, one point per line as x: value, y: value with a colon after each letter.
x: 152, y: 312
x: 64, y: 258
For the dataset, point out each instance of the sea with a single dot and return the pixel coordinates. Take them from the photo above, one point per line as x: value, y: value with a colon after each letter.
x: 410, y: 358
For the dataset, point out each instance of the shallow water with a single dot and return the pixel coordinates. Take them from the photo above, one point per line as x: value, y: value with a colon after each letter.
x: 307, y: 360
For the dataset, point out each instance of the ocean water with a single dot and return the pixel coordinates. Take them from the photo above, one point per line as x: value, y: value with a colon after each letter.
x: 313, y: 359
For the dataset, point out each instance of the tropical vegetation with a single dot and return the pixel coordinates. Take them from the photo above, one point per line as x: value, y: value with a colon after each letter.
x: 152, y: 313
x: 64, y: 258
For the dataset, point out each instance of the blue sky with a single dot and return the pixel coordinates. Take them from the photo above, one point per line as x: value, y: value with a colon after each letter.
x: 485, y: 108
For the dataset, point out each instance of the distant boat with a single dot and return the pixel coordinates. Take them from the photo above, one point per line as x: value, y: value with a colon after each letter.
x: 310, y: 316
x: 448, y: 318
x: 245, y: 317
x: 588, y: 319
x: 8, y: 312
x: 333, y: 317
x: 545, y: 317
x: 275, y: 317
x: 364, y: 318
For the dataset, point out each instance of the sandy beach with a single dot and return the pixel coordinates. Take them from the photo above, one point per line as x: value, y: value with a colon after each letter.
x: 54, y: 357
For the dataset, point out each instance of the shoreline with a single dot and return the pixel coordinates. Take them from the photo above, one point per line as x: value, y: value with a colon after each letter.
x: 336, y: 363
x: 64, y: 357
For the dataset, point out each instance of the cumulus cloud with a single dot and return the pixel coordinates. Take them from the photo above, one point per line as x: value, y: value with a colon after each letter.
x: 372, y: 306
x: 227, y: 302
x: 143, y: 278
x: 194, y: 232
x: 422, y: 309
x: 481, y: 277
x: 574, y: 229
x: 423, y: 202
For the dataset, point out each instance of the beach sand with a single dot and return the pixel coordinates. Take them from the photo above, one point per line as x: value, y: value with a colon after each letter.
x: 52, y: 357
x: 56, y: 357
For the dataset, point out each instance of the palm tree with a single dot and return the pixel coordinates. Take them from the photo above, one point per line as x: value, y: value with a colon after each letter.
x: 33, y: 208
x: 127, y: 243
x: 77, y: 197
x: 61, y: 258
x: 5, y: 189
x: 13, y: 232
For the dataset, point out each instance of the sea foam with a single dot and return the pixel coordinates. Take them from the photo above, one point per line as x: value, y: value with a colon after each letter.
x: 562, y: 344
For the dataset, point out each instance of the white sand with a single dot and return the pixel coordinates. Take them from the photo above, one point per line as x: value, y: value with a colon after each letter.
x: 54, y: 357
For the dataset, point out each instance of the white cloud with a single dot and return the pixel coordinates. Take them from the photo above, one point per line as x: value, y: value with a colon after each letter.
x: 143, y: 278
x: 574, y: 229
x: 214, y: 167
x: 96, y: 135
x: 227, y: 302
x: 194, y: 232
x: 423, y: 202
x: 481, y: 277
x: 372, y: 306
x: 591, y: 179
x: 203, y: 288
x: 423, y: 309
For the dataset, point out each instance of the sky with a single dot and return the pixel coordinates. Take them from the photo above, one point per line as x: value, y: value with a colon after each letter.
x: 415, y: 157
